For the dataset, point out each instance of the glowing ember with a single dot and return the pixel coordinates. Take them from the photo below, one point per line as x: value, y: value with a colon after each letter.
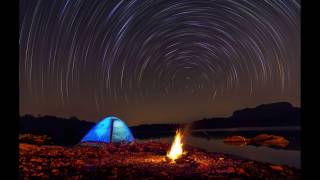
x: 176, y: 148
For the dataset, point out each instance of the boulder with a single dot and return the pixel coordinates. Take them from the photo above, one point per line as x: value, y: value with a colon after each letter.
x: 270, y: 140
x: 236, y: 140
x: 259, y: 140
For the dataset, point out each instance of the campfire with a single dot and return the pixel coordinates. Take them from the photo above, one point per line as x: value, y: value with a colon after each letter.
x: 176, y: 150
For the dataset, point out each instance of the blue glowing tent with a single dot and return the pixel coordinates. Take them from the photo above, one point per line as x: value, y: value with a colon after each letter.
x: 110, y: 129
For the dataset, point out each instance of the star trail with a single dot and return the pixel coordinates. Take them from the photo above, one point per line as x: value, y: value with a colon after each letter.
x: 157, y: 60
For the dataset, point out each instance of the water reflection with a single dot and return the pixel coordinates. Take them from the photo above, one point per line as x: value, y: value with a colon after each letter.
x: 264, y: 154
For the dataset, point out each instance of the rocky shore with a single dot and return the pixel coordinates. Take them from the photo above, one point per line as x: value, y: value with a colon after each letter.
x: 139, y: 161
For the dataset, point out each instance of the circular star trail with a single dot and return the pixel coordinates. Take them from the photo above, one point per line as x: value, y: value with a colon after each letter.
x: 89, y: 58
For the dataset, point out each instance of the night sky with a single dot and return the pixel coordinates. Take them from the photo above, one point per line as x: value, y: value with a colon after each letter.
x: 157, y: 61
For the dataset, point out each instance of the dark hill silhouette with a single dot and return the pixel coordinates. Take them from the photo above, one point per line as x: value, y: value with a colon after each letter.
x: 266, y: 115
x: 61, y: 130
x: 70, y: 131
x: 276, y: 114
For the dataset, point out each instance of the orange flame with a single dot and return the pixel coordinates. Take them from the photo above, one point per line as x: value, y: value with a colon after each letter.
x: 176, y: 148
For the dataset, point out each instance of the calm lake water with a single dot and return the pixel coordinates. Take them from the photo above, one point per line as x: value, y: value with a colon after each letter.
x: 288, y: 156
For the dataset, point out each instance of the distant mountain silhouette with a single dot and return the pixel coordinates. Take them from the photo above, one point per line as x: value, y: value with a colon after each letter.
x: 266, y: 115
x: 70, y: 131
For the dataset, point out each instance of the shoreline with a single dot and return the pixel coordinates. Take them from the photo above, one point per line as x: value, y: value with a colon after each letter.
x: 140, y: 160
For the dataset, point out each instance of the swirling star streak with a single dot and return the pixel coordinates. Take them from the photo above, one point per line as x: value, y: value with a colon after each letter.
x: 89, y: 58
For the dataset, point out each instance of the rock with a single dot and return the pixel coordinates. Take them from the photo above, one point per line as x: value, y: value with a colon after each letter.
x: 34, y: 139
x: 242, y: 172
x: 230, y: 170
x: 236, y: 140
x: 163, y: 173
x: 276, y: 167
x: 270, y: 140
x: 79, y: 162
x: 259, y: 140
x: 39, y: 168
x: 38, y: 160
x: 55, y: 172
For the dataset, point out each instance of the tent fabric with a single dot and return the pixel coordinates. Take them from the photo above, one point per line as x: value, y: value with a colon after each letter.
x: 110, y: 129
